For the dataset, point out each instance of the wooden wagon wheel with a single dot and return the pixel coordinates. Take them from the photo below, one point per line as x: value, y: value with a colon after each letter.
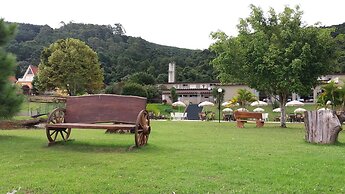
x: 55, y: 117
x: 142, y: 128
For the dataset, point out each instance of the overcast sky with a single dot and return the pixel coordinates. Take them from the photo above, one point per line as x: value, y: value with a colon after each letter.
x: 180, y: 23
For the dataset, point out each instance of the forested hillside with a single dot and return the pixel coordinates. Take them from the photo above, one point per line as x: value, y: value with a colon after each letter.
x: 120, y: 55
x: 340, y: 29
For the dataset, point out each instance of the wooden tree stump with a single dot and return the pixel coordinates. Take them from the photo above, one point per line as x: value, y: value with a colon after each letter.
x: 321, y: 126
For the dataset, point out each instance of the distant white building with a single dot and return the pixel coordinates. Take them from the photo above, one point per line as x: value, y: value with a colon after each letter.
x: 202, y: 91
x: 198, y: 92
x: 28, y: 76
x: 26, y: 81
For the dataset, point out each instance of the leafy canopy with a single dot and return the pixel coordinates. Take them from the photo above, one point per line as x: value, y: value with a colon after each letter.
x: 69, y: 64
x: 10, y: 101
x: 276, y: 54
x: 134, y: 89
x: 142, y: 78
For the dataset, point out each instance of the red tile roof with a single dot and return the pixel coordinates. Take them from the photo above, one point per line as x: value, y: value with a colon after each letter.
x: 12, y: 79
x: 34, y: 69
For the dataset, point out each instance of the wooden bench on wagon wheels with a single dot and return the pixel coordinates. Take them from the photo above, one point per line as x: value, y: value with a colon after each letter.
x: 110, y: 112
x: 241, y: 115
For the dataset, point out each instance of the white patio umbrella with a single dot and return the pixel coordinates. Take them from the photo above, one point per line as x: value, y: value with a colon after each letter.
x: 226, y: 103
x: 299, y: 110
x: 323, y: 109
x: 242, y: 109
x: 179, y: 103
x: 277, y: 110
x: 258, y: 110
x: 258, y: 103
x: 206, y: 103
x: 294, y: 103
x: 227, y: 110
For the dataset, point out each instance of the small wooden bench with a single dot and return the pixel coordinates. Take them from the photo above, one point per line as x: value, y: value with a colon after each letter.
x: 110, y: 112
x: 241, y: 115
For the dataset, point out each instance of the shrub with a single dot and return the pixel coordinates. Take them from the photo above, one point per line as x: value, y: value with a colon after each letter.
x: 134, y: 89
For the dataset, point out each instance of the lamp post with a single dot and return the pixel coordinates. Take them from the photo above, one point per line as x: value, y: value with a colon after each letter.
x: 219, y: 93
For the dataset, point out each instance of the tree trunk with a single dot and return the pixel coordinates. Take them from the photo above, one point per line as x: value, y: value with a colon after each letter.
x: 282, y: 101
x: 15, y: 124
x: 341, y: 116
x: 321, y: 127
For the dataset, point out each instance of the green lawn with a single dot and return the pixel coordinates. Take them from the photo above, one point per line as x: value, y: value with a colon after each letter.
x: 182, y: 157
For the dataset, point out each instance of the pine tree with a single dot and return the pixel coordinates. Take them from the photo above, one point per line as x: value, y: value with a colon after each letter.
x: 10, y: 101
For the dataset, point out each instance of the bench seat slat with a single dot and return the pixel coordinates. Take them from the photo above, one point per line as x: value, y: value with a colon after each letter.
x: 90, y: 126
x: 240, y: 116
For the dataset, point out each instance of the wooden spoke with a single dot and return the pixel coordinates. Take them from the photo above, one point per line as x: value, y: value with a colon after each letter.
x: 58, y: 134
x: 143, y: 139
x: 54, y: 134
x: 142, y: 128
x: 57, y: 116
x: 63, y: 137
x: 145, y: 122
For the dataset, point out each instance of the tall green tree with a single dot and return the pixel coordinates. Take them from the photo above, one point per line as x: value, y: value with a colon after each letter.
x: 134, y: 89
x: 119, y: 29
x: 71, y: 65
x: 340, y: 47
x: 153, y: 93
x: 276, y: 54
x: 10, y: 101
x: 142, y: 78
x: 173, y: 94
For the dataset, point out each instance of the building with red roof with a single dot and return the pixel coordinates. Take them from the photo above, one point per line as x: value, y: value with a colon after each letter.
x: 26, y: 80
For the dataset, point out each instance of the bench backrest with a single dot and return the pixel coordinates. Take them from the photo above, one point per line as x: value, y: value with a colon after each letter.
x: 103, y: 108
x: 246, y: 115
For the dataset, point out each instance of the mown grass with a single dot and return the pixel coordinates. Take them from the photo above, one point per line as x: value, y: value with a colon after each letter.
x: 159, y: 108
x: 32, y: 108
x: 181, y: 157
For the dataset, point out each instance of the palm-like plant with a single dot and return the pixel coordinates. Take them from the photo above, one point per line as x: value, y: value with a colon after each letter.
x: 244, y: 97
x: 332, y: 93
